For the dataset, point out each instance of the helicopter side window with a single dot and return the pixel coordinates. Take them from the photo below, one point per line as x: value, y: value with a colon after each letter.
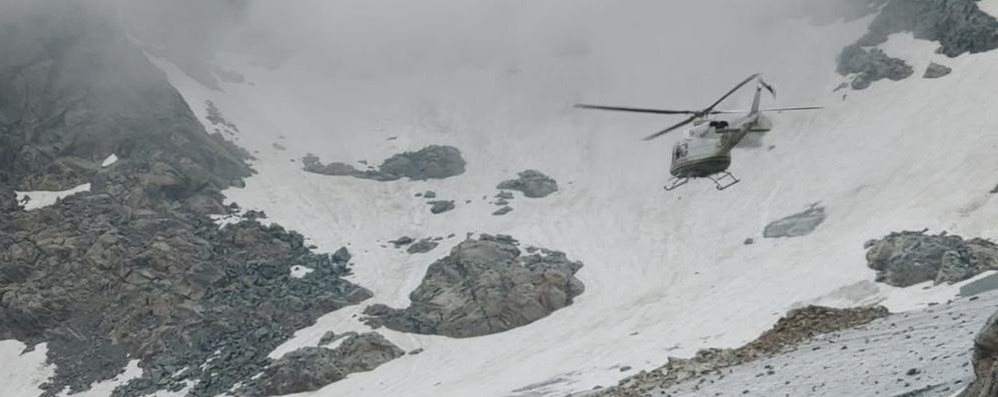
x: 680, y: 151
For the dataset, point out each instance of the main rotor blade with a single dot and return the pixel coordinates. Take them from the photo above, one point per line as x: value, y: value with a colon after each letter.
x: 636, y: 110
x: 740, y: 85
x: 766, y: 110
x: 670, y: 129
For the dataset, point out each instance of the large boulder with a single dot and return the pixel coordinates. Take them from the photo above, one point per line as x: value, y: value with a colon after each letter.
x: 985, y: 355
x: 311, y: 368
x: 935, y: 71
x: 532, y: 183
x: 870, y: 66
x: 431, y: 162
x: 485, y: 286
x: 908, y: 258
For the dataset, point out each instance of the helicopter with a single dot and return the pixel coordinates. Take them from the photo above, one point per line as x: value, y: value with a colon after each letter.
x: 705, y: 151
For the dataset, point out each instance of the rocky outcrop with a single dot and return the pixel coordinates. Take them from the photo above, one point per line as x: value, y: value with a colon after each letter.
x: 796, y: 225
x: 135, y: 268
x: 985, y: 356
x: 870, y: 66
x: 99, y: 282
x: 908, y: 258
x: 483, y: 287
x: 960, y: 26
x: 532, y: 183
x: 67, y: 105
x: 793, y: 329
x: 311, y: 368
x: 935, y: 71
x: 431, y: 162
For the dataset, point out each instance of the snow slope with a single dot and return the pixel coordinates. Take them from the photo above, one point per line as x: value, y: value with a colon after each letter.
x: 665, y: 273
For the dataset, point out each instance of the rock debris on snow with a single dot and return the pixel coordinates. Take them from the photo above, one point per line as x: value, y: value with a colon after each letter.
x: 532, y: 183
x: 431, y: 162
x: 908, y: 258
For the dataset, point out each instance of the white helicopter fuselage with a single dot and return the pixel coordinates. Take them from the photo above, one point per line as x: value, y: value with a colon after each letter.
x: 706, y: 148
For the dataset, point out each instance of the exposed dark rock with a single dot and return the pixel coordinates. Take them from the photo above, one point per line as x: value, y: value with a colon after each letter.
x: 342, y: 256
x: 532, y: 183
x: 484, y: 286
x: 501, y: 202
x: 431, y: 162
x: 797, y: 327
x: 935, y: 71
x: 311, y: 368
x: 505, y: 195
x: 67, y: 105
x: 959, y: 26
x: 404, y: 240
x: 416, y: 351
x: 430, y: 194
x: 440, y: 206
x: 503, y: 211
x: 909, y: 258
x: 749, y: 241
x: 985, y: 356
x: 871, y: 65
x: 216, y: 118
x: 796, y: 225
x: 422, y: 246
x: 134, y: 269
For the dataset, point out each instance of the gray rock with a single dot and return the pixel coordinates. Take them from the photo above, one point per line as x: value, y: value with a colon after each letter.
x: 404, y: 240
x: 985, y: 356
x: 935, y: 71
x: 431, y: 162
x: 505, y: 195
x: 342, y: 255
x: 416, y: 351
x: 502, y: 211
x: 870, y: 66
x: 749, y: 241
x: 960, y: 26
x: 440, y: 206
x: 311, y: 368
x: 484, y: 286
x: 430, y: 194
x: 909, y: 258
x: 532, y: 183
x: 796, y: 225
x: 422, y: 246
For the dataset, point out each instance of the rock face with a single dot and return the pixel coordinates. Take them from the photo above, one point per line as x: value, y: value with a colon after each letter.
x: 935, y: 71
x: 958, y: 25
x: 908, y: 258
x: 871, y: 65
x: 311, y: 368
x: 431, y: 162
x: 532, y: 183
x: 796, y: 327
x: 67, y: 106
x: 796, y: 225
x: 984, y: 359
x: 484, y: 286
x: 135, y: 268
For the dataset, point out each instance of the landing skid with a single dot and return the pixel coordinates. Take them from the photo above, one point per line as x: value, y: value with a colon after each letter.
x: 722, y: 180
x: 675, y: 183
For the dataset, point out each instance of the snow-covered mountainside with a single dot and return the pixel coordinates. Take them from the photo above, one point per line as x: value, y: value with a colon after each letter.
x: 611, y: 274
